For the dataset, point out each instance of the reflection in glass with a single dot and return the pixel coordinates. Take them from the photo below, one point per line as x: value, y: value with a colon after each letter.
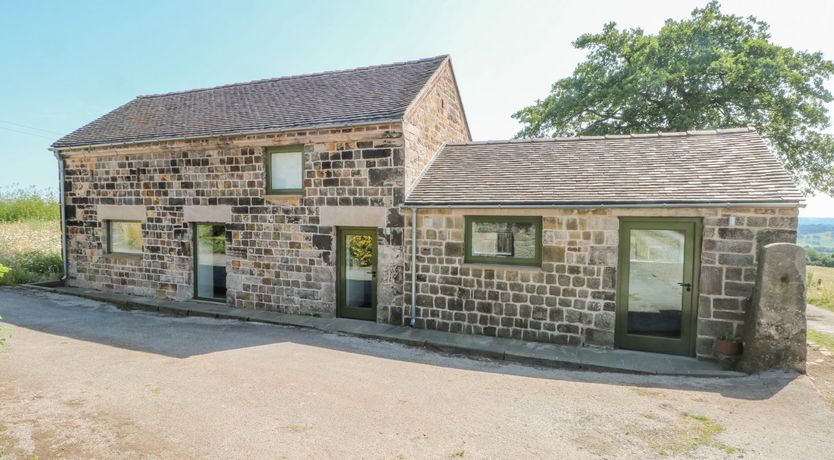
x: 504, y: 239
x: 125, y: 237
x: 211, y: 261
x: 656, y: 263
x: 359, y: 271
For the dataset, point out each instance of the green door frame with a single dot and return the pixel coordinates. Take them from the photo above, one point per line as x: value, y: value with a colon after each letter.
x: 195, y: 262
x: 685, y: 345
x: 342, y: 310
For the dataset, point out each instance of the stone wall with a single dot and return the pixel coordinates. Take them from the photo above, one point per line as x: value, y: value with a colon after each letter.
x: 729, y: 259
x: 571, y: 298
x: 434, y: 118
x: 279, y: 256
x: 280, y: 249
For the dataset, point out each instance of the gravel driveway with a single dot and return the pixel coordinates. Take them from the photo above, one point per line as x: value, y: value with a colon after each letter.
x: 82, y: 379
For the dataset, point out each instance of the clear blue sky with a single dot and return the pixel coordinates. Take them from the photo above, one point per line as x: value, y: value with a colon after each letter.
x: 65, y: 63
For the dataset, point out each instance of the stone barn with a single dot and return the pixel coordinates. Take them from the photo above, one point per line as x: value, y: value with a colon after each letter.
x: 360, y: 194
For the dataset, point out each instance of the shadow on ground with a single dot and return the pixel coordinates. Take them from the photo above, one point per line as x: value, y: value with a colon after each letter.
x: 184, y: 337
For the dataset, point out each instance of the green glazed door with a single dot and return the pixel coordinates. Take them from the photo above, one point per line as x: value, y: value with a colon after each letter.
x: 657, y: 290
x: 210, y: 262
x: 357, y: 256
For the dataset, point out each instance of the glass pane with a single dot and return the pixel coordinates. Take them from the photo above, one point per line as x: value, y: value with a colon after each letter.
x: 504, y: 239
x: 655, y: 269
x: 359, y: 270
x: 211, y: 261
x: 125, y: 237
x: 285, y: 169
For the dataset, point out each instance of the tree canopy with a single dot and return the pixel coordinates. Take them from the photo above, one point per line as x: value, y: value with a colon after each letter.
x: 712, y: 70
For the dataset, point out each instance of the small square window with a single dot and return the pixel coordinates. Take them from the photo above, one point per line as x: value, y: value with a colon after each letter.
x: 503, y: 240
x: 285, y: 170
x: 124, y: 237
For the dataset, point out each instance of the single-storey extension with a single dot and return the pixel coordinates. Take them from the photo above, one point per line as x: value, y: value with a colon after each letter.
x: 645, y: 242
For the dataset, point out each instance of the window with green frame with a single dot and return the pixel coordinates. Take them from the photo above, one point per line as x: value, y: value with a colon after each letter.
x: 124, y: 237
x: 503, y: 240
x: 285, y: 170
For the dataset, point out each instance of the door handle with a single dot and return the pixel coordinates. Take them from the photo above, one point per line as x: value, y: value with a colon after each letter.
x: 688, y: 286
x: 373, y: 273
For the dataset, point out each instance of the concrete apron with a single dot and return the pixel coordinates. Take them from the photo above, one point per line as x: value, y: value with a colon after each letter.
x: 534, y: 353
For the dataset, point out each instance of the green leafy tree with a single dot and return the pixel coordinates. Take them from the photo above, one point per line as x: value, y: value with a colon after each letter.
x: 362, y: 249
x: 712, y: 70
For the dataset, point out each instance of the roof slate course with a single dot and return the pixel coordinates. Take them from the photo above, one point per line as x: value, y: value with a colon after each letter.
x: 723, y: 166
x: 339, y: 98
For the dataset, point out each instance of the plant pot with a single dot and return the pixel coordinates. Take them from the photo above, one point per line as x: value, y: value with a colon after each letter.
x: 727, y: 347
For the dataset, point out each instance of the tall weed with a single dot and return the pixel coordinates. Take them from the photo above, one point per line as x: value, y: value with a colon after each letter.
x: 18, y: 204
x: 821, y: 287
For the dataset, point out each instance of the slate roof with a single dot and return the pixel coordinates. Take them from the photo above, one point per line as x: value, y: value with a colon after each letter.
x: 701, y: 167
x: 363, y: 95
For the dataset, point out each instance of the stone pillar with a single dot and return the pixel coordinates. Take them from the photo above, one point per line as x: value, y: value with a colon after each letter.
x: 775, y: 327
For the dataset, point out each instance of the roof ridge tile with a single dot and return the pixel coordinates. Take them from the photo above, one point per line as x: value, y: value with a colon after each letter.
x: 294, y: 77
x: 702, y: 132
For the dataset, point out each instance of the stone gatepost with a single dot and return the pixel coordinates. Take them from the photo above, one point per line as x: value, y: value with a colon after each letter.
x: 775, y: 327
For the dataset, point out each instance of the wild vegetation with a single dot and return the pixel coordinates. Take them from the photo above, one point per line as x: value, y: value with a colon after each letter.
x: 30, y: 236
x: 821, y: 287
x: 821, y: 259
x: 25, y: 204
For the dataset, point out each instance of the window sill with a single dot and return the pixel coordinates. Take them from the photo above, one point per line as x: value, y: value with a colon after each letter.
x: 483, y: 266
x: 285, y: 192
x: 284, y: 197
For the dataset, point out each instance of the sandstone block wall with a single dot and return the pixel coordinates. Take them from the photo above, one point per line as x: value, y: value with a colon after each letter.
x: 281, y: 250
x: 571, y: 298
x: 435, y: 117
x: 279, y: 257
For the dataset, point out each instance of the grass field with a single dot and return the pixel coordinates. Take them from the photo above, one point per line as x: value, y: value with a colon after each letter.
x: 821, y: 287
x: 30, y: 251
x: 821, y: 339
x: 20, y: 204
x: 30, y: 236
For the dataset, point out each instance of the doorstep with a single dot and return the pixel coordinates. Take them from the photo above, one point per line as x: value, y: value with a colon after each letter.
x: 534, y: 353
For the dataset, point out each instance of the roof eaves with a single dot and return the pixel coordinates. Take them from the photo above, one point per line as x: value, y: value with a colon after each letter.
x: 607, y: 204
x: 57, y: 147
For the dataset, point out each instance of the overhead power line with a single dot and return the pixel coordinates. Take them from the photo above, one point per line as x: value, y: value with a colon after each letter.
x: 30, y: 127
x: 24, y: 132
